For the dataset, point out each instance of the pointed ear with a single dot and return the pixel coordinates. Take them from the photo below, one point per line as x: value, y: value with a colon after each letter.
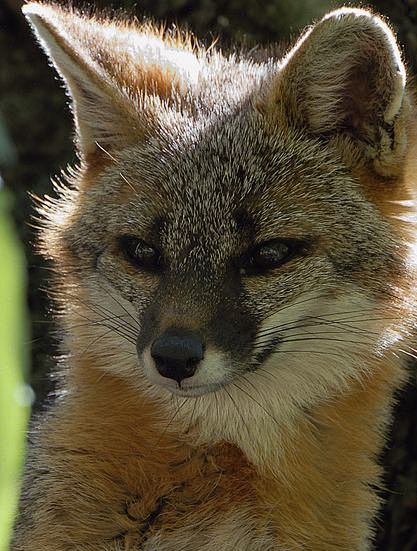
x: 113, y: 72
x: 345, y: 79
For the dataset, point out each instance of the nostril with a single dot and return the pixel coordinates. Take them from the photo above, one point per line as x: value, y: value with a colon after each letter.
x: 177, y: 353
x: 192, y: 362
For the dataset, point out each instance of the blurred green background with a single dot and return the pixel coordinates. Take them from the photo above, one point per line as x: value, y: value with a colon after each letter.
x: 15, y: 395
x: 35, y: 143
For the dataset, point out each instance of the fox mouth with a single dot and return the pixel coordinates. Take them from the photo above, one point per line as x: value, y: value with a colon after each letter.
x: 213, y: 372
x: 210, y: 378
x: 189, y: 387
x: 191, y: 391
x: 196, y: 391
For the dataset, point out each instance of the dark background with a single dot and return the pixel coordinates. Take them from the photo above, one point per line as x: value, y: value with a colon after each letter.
x: 36, y: 136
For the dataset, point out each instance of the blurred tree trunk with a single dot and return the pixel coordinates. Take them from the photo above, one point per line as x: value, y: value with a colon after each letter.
x: 34, y: 108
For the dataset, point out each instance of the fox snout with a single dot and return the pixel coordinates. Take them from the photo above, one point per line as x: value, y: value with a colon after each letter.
x: 176, y: 354
x: 196, y: 333
x: 191, y: 360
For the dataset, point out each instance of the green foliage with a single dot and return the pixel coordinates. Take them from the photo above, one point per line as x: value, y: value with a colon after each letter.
x: 14, y: 394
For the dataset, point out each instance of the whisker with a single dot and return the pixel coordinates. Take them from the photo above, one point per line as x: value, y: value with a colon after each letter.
x: 115, y: 329
x: 98, y: 305
x: 192, y: 415
x: 106, y: 152
x: 332, y: 339
x: 135, y: 191
x: 256, y: 402
x: 412, y: 354
x: 318, y: 352
x: 93, y: 342
x: 285, y: 337
x: 89, y: 306
x: 285, y: 330
x: 117, y: 163
x: 324, y: 321
x: 236, y: 407
x: 294, y: 303
x: 125, y: 310
x: 177, y: 410
x: 93, y: 323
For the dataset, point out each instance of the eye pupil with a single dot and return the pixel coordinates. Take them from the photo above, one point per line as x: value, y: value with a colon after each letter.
x: 140, y: 254
x: 269, y: 255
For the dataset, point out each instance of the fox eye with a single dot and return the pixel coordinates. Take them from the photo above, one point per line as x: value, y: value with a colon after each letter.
x: 140, y: 254
x: 269, y: 255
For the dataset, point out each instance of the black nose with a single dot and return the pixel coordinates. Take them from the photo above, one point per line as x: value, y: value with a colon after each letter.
x: 177, y: 353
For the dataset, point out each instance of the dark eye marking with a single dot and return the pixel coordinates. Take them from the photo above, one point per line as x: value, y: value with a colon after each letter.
x: 140, y: 254
x: 243, y: 221
x: 270, y: 255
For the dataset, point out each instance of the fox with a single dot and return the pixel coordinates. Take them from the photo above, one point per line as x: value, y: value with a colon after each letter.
x: 235, y: 285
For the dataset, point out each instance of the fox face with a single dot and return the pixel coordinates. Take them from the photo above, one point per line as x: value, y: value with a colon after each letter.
x: 218, y: 274
x: 230, y: 242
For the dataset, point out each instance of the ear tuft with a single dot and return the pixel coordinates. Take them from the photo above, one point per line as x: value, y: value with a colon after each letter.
x: 115, y: 72
x: 345, y: 77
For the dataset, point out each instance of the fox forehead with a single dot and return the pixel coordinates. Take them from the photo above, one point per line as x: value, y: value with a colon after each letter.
x: 209, y: 197
x: 221, y: 174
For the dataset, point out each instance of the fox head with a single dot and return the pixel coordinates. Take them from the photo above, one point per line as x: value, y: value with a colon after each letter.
x: 236, y: 238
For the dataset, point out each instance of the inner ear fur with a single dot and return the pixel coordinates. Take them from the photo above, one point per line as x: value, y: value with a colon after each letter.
x: 116, y: 73
x: 345, y: 80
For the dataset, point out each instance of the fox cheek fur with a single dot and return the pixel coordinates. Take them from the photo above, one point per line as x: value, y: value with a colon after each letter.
x: 237, y: 286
